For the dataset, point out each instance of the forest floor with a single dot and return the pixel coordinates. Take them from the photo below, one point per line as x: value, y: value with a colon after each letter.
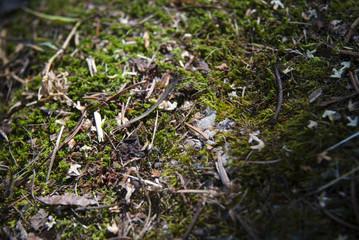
x: 180, y: 120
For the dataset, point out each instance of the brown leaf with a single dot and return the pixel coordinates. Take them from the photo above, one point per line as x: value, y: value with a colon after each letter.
x: 67, y: 199
x: 155, y: 173
x: 39, y: 219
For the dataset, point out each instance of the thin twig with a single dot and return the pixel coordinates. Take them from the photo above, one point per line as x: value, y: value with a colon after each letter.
x: 341, y: 142
x: 354, y: 198
x: 123, y: 90
x: 247, y: 228
x: 199, y: 208
x: 164, y: 95
x: 349, y: 53
x: 148, y: 219
x: 54, y: 152
x: 351, y: 30
x: 280, y: 94
x: 154, y: 132
x: 337, y: 99
x: 354, y: 83
x: 222, y: 172
x: 196, y: 130
x: 187, y: 115
x: 32, y: 184
x: 336, y: 180
x: 264, y: 162
x: 340, y: 221
x: 199, y: 191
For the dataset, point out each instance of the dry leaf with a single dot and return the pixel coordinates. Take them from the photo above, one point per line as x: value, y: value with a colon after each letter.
x: 67, y: 199
x: 39, y: 219
x: 155, y: 173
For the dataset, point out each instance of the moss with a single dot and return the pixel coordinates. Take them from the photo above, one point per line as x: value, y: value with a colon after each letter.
x: 250, y: 44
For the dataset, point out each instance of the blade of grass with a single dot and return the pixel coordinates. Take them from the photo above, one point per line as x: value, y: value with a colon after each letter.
x: 50, y: 17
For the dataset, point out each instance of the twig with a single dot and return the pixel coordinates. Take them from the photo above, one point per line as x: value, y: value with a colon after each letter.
x: 183, y: 183
x: 199, y: 191
x: 280, y: 94
x: 336, y: 180
x: 327, y: 185
x: 119, y: 238
x: 222, y: 172
x: 75, y: 130
x: 187, y: 115
x: 337, y: 99
x: 148, y: 219
x: 356, y: 78
x: 246, y: 227
x: 264, y: 162
x: 354, y: 82
x: 196, y: 130
x: 54, y: 152
x: 154, y: 132
x: 150, y: 91
x: 147, y: 182
x: 343, y: 141
x: 338, y: 220
x: 164, y: 95
x: 354, y: 198
x: 199, y: 208
x: 98, y: 25
x: 349, y: 53
x: 351, y: 29
x: 32, y: 184
x: 123, y: 90
x: 298, y: 41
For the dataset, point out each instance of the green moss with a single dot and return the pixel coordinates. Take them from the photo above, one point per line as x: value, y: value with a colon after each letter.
x: 250, y: 44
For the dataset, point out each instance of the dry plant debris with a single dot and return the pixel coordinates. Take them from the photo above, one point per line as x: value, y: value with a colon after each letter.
x: 179, y: 120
